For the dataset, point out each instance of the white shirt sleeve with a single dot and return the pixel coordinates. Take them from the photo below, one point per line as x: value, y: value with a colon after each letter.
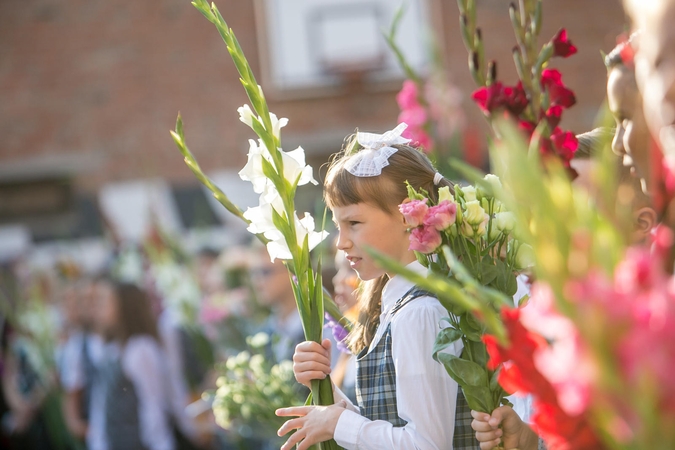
x: 72, y: 371
x: 142, y: 364
x: 425, y: 393
x: 179, y: 397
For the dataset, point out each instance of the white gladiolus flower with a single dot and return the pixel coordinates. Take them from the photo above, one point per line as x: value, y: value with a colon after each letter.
x: 261, y: 216
x: 253, y: 170
x: 295, y: 168
x: 246, y: 116
x: 277, y: 124
x: 278, y: 247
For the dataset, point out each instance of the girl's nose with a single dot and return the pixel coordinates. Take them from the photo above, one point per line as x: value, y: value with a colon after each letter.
x: 343, y: 241
x: 617, y: 142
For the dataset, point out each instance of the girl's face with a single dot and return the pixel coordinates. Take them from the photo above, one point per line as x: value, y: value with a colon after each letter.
x: 655, y: 72
x: 106, y: 316
x: 631, y: 138
x: 361, y: 226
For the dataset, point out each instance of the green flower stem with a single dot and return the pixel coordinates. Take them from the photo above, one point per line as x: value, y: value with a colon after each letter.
x: 307, y: 285
x: 390, y: 37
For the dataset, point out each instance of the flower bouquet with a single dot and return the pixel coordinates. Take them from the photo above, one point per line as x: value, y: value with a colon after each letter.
x: 275, y: 175
x: 466, y: 241
x: 249, y: 389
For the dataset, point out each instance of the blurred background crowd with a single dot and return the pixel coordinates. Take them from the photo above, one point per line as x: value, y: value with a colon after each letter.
x: 114, y: 260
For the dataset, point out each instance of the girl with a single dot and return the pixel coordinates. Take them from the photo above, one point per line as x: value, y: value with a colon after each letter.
x: 406, y: 400
x: 129, y: 408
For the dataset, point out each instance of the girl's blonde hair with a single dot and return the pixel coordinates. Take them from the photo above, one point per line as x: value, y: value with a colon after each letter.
x: 385, y: 191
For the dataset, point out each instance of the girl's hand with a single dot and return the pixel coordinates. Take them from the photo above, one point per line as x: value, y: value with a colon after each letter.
x: 311, y: 361
x: 514, y: 433
x: 314, y: 424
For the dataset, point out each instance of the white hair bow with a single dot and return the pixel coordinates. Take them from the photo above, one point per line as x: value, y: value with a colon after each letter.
x: 377, y: 148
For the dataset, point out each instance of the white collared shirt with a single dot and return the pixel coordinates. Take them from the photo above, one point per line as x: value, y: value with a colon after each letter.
x: 425, y: 393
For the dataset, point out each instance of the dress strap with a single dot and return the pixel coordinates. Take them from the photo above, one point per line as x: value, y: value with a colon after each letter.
x: 412, y: 294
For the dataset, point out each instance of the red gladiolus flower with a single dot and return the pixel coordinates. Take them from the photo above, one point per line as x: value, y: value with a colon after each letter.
x: 490, y: 97
x: 553, y: 115
x: 526, y: 127
x: 519, y: 373
x: 558, y: 93
x: 565, y: 143
x: 516, y: 99
x: 562, y: 46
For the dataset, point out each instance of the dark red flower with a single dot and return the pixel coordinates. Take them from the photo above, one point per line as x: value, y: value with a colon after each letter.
x: 565, y: 143
x: 516, y: 99
x: 526, y: 127
x: 553, y: 115
x: 551, y: 80
x: 489, y: 98
x: 562, y: 46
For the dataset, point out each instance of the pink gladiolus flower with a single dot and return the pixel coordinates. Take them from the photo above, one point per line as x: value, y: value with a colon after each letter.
x: 441, y: 216
x: 414, y: 117
x: 414, y: 212
x: 425, y: 239
x: 407, y: 97
x: 419, y: 137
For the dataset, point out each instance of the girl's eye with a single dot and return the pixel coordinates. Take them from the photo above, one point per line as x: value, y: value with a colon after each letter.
x: 353, y: 222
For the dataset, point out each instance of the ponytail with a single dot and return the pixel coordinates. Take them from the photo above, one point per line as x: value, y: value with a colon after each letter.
x: 370, y: 308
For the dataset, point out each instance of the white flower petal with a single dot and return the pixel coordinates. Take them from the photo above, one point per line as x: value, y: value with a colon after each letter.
x: 277, y: 124
x: 298, y: 168
x: 246, y: 115
x: 253, y: 170
x: 278, y: 250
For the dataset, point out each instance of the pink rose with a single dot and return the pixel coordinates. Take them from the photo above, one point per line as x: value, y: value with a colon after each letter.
x: 441, y: 216
x: 425, y: 239
x: 414, y: 212
x: 407, y: 97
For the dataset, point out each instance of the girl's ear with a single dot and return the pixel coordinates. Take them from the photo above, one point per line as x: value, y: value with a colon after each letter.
x: 645, y: 220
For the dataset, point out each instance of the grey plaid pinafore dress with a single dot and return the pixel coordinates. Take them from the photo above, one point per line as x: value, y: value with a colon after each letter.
x: 376, y: 385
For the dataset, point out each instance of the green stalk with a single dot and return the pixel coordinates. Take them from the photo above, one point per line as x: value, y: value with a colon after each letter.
x: 307, y: 287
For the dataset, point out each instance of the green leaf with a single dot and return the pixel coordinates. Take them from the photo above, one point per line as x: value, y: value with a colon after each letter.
x: 478, y: 352
x: 487, y: 272
x: 466, y: 373
x: 445, y: 338
x: 471, y: 328
x: 479, y: 398
x: 523, y: 300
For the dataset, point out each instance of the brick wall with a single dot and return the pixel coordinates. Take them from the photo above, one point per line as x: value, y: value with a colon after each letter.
x: 99, y: 83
